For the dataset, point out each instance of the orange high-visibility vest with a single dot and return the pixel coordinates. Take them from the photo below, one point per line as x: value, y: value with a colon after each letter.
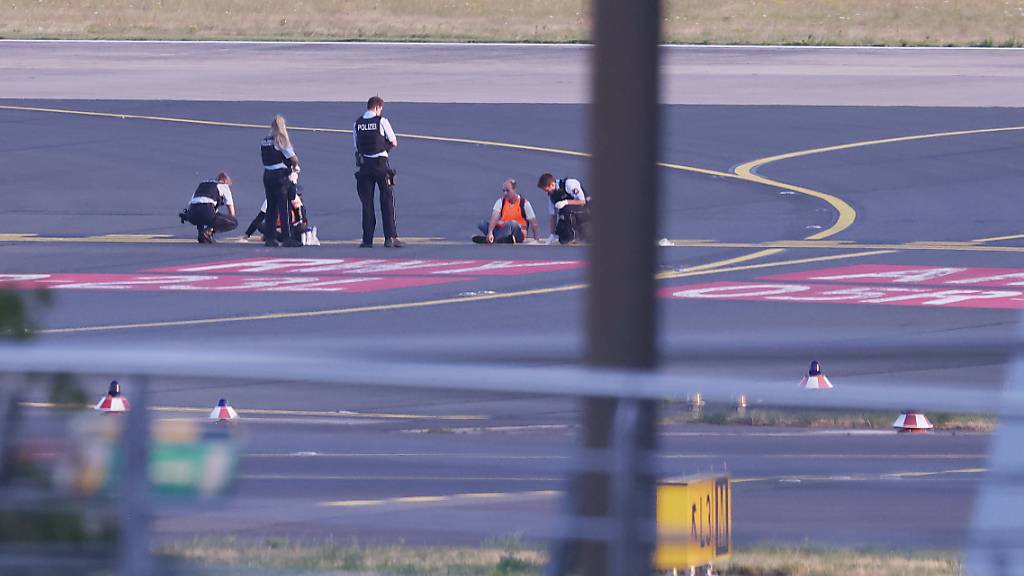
x: 514, y: 213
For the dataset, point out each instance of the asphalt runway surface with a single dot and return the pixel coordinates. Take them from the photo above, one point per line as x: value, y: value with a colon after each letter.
x: 95, y: 196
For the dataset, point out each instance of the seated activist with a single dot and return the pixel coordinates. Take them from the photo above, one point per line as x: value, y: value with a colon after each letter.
x: 203, y: 211
x: 568, y: 209
x: 299, y: 219
x: 512, y: 217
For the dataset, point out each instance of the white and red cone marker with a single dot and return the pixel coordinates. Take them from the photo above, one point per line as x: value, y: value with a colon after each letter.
x: 912, y: 421
x: 815, y: 380
x: 113, y: 402
x: 223, y: 412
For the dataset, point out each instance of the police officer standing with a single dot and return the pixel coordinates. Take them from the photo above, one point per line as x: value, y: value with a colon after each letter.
x: 279, y: 162
x: 373, y: 137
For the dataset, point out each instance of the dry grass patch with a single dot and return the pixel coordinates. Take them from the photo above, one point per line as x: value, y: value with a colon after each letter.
x: 511, y: 559
x: 826, y: 562
x: 837, y: 419
x: 905, y: 22
x: 499, y: 559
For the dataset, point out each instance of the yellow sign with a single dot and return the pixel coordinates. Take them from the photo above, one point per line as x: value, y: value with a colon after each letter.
x: 694, y: 522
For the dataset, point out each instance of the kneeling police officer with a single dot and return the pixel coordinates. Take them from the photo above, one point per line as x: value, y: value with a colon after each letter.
x: 203, y: 211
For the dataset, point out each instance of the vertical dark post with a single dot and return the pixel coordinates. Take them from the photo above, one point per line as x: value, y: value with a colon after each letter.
x: 133, y: 538
x: 622, y: 332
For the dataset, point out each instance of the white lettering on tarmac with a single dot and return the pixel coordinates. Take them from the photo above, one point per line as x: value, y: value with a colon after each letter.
x: 988, y: 280
x: 380, y: 266
x: 162, y: 282
x: 825, y: 293
x: 944, y: 297
x: 506, y: 265
x: 909, y: 275
x: 741, y: 291
x: 316, y: 285
x: 265, y: 265
x: 854, y: 293
x: 23, y: 277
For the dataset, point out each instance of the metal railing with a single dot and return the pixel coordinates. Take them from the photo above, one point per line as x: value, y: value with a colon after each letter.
x: 628, y: 532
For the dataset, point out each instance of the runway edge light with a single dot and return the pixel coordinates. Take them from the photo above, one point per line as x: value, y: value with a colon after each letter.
x: 815, y: 379
x: 912, y: 421
x: 113, y: 402
x: 223, y: 412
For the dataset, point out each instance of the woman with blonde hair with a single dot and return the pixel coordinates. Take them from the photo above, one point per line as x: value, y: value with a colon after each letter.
x: 279, y: 163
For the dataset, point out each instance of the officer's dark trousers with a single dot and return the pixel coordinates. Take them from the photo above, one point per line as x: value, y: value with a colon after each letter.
x: 207, y: 215
x: 275, y: 185
x: 374, y: 172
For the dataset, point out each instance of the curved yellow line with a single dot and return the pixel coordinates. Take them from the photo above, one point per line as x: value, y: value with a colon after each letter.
x: 847, y: 214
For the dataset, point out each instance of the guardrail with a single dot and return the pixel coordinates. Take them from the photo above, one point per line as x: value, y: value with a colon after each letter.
x: 629, y: 530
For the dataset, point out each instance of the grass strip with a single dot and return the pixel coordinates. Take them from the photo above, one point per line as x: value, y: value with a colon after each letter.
x: 772, y: 22
x: 833, y: 419
x: 511, y: 558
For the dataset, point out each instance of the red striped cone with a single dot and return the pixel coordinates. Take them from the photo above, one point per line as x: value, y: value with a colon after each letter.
x: 223, y: 412
x: 113, y: 402
x: 912, y: 421
x: 815, y: 380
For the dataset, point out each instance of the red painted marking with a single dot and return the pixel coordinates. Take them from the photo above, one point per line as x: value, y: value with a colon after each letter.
x: 376, y: 266
x: 227, y: 283
x: 914, y: 275
x: 840, y: 294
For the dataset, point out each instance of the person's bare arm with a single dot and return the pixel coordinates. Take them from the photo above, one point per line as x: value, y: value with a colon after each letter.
x: 490, y: 227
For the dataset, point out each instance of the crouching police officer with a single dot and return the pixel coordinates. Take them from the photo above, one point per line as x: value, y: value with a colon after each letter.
x: 373, y: 137
x: 568, y: 209
x: 203, y: 211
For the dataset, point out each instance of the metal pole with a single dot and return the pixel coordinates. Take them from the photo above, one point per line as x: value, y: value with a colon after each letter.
x: 133, y: 536
x: 621, y: 316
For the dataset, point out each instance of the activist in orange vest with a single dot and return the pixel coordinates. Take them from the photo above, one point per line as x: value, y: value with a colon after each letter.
x: 512, y: 217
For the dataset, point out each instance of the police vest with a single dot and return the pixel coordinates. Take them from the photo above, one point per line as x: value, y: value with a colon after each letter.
x: 369, y: 140
x: 208, y: 189
x: 562, y: 194
x: 271, y: 155
x: 515, y: 212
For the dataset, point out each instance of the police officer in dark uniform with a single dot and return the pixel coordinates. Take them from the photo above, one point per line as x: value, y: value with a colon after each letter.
x: 203, y: 211
x: 568, y: 208
x: 373, y: 137
x: 279, y: 161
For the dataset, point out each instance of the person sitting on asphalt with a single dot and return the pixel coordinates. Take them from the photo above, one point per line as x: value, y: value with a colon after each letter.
x: 512, y: 217
x: 300, y: 219
x: 568, y: 209
x: 203, y: 211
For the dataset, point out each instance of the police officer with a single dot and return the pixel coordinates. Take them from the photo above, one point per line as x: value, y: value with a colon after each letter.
x: 279, y: 162
x: 202, y: 209
x: 568, y: 208
x: 372, y: 137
